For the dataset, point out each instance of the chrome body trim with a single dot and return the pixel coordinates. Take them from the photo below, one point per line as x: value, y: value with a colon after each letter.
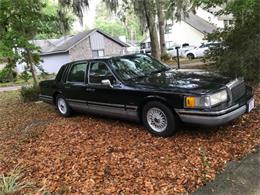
x: 196, y: 112
x: 235, y: 82
x: 231, y: 85
x: 106, y: 104
x: 112, y: 110
x: 46, y: 98
x: 75, y: 100
x: 213, y: 120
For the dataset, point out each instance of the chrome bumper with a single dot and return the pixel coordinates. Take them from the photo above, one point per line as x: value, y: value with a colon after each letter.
x: 211, y: 118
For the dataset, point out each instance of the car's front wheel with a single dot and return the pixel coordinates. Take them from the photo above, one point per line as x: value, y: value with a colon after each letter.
x: 62, y: 106
x: 159, y: 119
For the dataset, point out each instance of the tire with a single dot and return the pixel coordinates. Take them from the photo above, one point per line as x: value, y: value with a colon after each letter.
x: 62, y: 106
x: 159, y: 119
x: 190, y: 56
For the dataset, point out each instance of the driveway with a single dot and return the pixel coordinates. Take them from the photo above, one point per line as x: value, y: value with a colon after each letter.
x: 241, y: 177
x: 87, y: 154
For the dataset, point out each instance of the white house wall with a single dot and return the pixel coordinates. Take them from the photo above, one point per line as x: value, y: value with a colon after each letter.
x: 184, y: 33
x: 51, y: 63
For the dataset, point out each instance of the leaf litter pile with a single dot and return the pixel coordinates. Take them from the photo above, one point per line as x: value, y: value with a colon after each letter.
x: 93, y: 155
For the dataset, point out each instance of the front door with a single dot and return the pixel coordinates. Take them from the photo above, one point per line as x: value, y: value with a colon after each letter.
x: 105, y: 99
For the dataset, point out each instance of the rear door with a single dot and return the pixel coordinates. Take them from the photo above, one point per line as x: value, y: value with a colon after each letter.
x: 75, y: 85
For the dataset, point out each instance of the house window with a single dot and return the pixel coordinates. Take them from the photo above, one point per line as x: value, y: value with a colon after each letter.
x: 98, y: 53
x: 225, y: 22
x: 228, y: 22
x: 168, y: 28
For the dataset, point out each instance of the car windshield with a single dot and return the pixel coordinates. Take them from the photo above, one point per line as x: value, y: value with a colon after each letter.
x: 137, y: 66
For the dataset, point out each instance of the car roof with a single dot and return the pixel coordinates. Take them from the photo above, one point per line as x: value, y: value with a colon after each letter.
x: 106, y: 58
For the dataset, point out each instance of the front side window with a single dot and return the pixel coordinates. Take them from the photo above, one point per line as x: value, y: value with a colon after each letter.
x: 131, y: 67
x: 98, y: 71
x: 77, y: 73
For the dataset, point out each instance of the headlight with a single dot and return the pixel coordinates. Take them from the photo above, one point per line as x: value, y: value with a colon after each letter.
x: 206, y: 101
x: 219, y: 97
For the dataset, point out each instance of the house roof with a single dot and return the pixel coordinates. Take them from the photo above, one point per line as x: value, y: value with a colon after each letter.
x: 216, y: 9
x: 64, y: 44
x: 43, y: 43
x: 199, y: 24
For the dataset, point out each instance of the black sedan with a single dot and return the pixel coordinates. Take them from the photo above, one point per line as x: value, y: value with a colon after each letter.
x: 138, y: 87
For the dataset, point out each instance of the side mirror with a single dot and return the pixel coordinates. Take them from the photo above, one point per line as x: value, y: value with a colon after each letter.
x: 106, y: 82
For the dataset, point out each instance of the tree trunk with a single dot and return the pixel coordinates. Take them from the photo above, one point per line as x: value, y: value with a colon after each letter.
x: 10, y: 67
x: 32, y: 70
x: 161, y: 19
x: 150, y: 17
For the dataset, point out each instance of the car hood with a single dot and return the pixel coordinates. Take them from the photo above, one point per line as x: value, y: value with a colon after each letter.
x: 189, y: 81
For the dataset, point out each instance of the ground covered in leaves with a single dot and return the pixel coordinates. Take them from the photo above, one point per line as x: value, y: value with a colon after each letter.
x: 93, y: 155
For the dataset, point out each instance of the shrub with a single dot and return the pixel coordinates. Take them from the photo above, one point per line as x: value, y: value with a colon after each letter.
x: 7, y: 75
x: 13, y: 182
x: 239, y: 53
x: 25, y: 76
x: 30, y: 94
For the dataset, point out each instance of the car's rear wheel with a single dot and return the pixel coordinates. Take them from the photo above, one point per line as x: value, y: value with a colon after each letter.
x: 159, y: 119
x: 190, y: 56
x: 62, y: 106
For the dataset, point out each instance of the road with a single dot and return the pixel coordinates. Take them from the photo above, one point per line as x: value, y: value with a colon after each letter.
x: 239, y: 177
x: 10, y: 88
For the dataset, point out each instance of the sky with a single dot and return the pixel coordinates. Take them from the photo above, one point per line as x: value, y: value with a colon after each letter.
x: 88, y: 18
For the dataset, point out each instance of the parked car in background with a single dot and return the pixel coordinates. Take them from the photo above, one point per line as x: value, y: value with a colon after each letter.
x: 182, y: 50
x: 139, y: 87
x: 200, y: 51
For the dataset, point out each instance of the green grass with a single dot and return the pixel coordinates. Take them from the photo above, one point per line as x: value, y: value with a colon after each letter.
x: 13, y: 182
x: 20, y: 82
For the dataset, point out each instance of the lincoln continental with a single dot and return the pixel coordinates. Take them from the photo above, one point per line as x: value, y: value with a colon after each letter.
x: 139, y: 87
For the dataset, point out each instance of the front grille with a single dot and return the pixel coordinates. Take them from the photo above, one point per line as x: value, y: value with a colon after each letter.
x: 238, y: 91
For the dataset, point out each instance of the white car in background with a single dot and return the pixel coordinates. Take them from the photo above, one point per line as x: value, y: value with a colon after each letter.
x: 182, y: 50
x: 201, y: 50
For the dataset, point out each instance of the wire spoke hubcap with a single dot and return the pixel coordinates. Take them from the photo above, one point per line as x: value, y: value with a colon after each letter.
x: 157, y: 119
x: 62, y: 106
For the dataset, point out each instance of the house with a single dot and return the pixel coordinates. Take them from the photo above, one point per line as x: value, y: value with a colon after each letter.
x: 210, y: 15
x: 193, y: 29
x: 84, y: 45
x: 133, y: 46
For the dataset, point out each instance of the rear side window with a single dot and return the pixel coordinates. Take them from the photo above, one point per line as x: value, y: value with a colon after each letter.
x: 77, y: 73
x: 60, y: 74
